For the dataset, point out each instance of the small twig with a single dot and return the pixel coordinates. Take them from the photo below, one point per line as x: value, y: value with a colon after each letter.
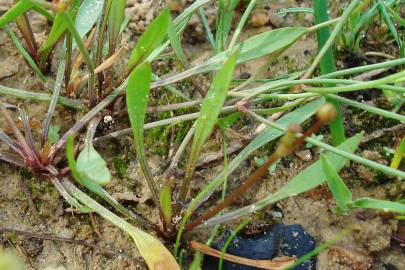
x: 274, y: 264
x: 94, y: 226
x: 51, y: 237
x: 381, y: 132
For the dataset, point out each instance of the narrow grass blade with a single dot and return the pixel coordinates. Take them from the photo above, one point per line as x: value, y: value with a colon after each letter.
x: 137, y: 100
x: 166, y: 203
x: 327, y: 65
x: 36, y: 96
x: 398, y: 154
x: 386, y: 206
x: 209, y: 113
x: 52, y: 105
x: 150, y: 39
x: 340, y: 192
x: 267, y: 43
x: 87, y: 59
x: 16, y: 10
x: 391, y: 26
x: 174, y: 39
x: 208, y: 31
x: 225, y: 12
x: 306, y: 180
x: 25, y: 54
x: 59, y: 27
x: 116, y: 16
x: 156, y: 255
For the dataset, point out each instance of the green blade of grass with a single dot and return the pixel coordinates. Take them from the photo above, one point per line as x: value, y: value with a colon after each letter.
x: 398, y: 154
x: 166, y: 203
x: 208, y: 31
x: 174, y: 40
x: 150, y: 39
x: 87, y: 59
x: 391, y: 26
x: 383, y: 205
x: 340, y: 192
x: 306, y: 180
x: 116, y: 16
x: 137, y: 101
x: 25, y: 54
x: 225, y: 12
x: 156, y: 255
x: 16, y: 10
x: 327, y: 65
x: 37, y: 96
x: 59, y: 27
x: 87, y: 15
x: 209, y: 113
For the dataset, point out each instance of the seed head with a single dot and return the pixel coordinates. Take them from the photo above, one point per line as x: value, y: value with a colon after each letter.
x: 326, y: 113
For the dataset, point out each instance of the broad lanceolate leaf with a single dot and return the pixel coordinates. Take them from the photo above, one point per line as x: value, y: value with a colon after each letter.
x: 91, y: 165
x: 150, y: 39
x: 137, y: 100
x: 308, y: 179
x: 16, y: 10
x: 115, y: 18
x: 93, y: 186
x: 340, y: 192
x: 267, y: 43
x: 156, y: 255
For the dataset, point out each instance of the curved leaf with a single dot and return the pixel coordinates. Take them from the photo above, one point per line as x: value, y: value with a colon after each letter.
x: 91, y: 165
x: 150, y: 39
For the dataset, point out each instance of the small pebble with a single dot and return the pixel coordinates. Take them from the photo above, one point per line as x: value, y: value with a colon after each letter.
x: 304, y: 155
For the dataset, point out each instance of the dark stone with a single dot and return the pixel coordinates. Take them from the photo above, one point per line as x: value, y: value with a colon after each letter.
x: 389, y: 266
x: 291, y: 240
x: 262, y: 246
x: 297, y: 242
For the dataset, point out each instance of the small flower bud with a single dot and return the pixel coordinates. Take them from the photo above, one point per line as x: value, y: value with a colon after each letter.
x: 287, y: 141
x: 326, y: 113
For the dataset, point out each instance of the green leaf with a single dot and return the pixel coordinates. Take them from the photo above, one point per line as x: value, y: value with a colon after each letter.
x: 87, y: 15
x: 93, y: 186
x: 166, y: 202
x: 115, y: 18
x: 92, y: 166
x: 174, y: 39
x: 391, y: 26
x: 137, y: 101
x: 25, y: 54
x: 340, y: 192
x: 267, y: 43
x: 16, y: 10
x: 156, y: 255
x: 59, y: 27
x: 386, y: 206
x: 53, y: 134
x: 150, y: 39
x: 228, y: 121
x: 398, y: 154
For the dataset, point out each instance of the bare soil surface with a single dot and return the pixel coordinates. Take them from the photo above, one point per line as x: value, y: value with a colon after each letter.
x: 370, y: 248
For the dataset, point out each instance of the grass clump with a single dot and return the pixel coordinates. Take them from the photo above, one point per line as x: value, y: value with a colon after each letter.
x: 94, y: 41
